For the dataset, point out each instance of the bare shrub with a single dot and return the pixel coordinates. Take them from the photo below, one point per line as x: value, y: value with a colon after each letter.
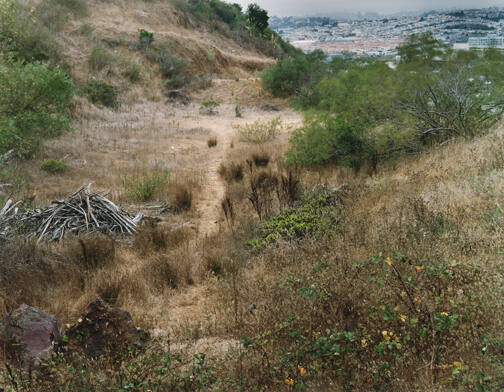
x: 263, y: 186
x: 233, y: 172
x: 212, y: 142
x: 261, y: 158
x: 156, y: 238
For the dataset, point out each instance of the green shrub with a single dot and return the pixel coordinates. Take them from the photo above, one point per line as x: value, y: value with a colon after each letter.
x: 260, y: 131
x: 100, y: 58
x: 53, y: 166
x: 41, y: 111
x: 145, y: 37
x: 238, y: 110
x: 133, y: 72
x: 146, y: 184
x: 173, y: 67
x: 209, y: 107
x: 316, y: 214
x: 23, y: 36
x: 99, y: 92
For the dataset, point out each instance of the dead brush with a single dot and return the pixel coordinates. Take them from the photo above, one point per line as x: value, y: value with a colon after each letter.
x: 183, y: 198
x: 261, y: 159
x: 151, y: 239
x: 263, y: 186
x: 91, y: 253
x: 233, y: 172
x: 227, y: 208
x: 212, y: 142
x: 168, y: 270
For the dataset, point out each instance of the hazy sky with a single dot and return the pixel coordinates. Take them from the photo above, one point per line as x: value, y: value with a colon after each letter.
x: 321, y: 7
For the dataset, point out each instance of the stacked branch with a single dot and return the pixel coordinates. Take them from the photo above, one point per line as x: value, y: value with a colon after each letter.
x: 82, y: 211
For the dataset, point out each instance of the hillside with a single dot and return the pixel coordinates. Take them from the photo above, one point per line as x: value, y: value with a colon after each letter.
x: 250, y: 273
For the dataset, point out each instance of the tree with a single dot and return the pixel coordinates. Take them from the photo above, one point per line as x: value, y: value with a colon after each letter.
x: 422, y: 48
x: 258, y: 18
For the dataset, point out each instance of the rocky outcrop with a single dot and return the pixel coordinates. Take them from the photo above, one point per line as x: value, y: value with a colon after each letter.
x: 104, y: 330
x: 28, y: 337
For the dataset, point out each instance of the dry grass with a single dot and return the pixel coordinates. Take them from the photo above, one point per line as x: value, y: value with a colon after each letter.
x: 212, y: 142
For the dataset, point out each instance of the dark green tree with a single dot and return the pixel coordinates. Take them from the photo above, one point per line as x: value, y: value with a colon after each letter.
x: 258, y: 18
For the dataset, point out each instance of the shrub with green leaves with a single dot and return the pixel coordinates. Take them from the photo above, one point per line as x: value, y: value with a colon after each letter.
x: 145, y: 184
x: 99, y: 92
x: 145, y: 37
x: 100, y: 58
x: 40, y: 112
x: 209, y: 107
x: 260, y: 131
x: 53, y: 166
x: 173, y: 67
x: 23, y: 36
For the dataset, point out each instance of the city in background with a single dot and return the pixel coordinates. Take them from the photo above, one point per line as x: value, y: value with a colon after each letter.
x: 374, y: 35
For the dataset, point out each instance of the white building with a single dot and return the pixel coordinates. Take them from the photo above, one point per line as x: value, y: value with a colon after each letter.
x: 486, y: 42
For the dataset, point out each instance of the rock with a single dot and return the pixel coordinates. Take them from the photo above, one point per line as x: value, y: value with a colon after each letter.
x: 104, y: 330
x: 27, y: 337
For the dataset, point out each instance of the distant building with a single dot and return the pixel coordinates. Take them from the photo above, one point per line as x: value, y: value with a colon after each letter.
x: 486, y: 42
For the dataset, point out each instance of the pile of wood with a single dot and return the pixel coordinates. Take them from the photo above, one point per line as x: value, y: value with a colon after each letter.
x: 82, y: 211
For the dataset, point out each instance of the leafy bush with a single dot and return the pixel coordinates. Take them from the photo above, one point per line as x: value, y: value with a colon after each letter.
x: 209, y: 107
x: 316, y: 214
x: 23, y: 36
x: 238, y: 110
x: 257, y: 17
x: 53, y: 166
x: 99, y: 92
x: 100, y: 58
x: 40, y: 112
x: 173, y: 67
x: 133, y: 72
x: 259, y: 131
x: 291, y: 75
x: 145, y: 184
x: 145, y: 37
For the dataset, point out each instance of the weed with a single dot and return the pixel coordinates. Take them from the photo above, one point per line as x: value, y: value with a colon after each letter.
x: 261, y: 159
x: 100, y: 58
x: 212, y: 142
x: 133, y: 72
x: 231, y: 172
x: 146, y: 184
x: 209, y: 107
x: 146, y: 38
x: 260, y: 131
x: 238, y: 110
x: 53, y: 166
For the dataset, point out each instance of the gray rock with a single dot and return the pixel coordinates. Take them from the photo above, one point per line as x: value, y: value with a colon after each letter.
x: 27, y: 337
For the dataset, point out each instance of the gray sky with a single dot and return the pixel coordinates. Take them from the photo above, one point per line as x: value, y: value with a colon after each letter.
x: 321, y: 7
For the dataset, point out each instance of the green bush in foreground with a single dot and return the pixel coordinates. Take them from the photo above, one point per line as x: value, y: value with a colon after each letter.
x: 53, y: 166
x: 99, y: 92
x: 39, y: 112
x: 145, y: 184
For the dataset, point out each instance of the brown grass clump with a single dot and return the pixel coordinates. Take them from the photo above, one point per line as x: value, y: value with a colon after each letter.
x: 169, y: 270
x: 212, y: 142
x: 261, y: 159
x: 183, y: 198
x: 233, y: 172
x: 151, y: 239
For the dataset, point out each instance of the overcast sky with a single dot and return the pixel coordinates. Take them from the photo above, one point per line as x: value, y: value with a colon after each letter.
x: 326, y: 7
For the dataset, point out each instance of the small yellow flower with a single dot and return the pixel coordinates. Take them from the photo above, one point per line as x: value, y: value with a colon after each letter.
x: 417, y: 300
x: 363, y: 343
x: 403, y: 294
x: 302, y: 370
x: 289, y: 381
x: 388, y: 261
x: 403, y: 318
x: 384, y: 333
x: 391, y: 333
x: 419, y: 267
x: 444, y: 314
x: 457, y: 364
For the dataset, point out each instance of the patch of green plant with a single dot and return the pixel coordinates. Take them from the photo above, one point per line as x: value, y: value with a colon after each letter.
x: 173, y: 68
x: 145, y: 37
x: 100, y: 58
x: 260, y: 131
x: 133, y: 72
x: 23, y: 36
x: 209, y: 107
x: 53, y: 166
x: 100, y: 92
x: 146, y: 184
x: 40, y: 112
x: 316, y: 214
x: 238, y: 110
